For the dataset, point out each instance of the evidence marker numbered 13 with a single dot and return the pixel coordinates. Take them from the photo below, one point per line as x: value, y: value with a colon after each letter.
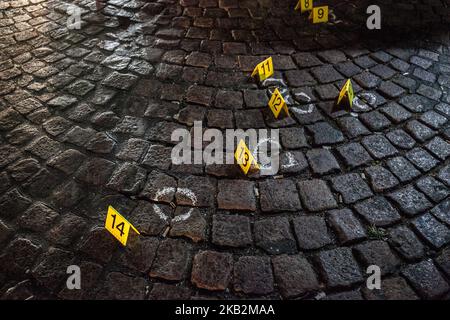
x: 118, y: 226
x: 277, y: 102
x: 264, y: 69
x: 304, y: 5
x: 319, y: 15
x: 245, y: 158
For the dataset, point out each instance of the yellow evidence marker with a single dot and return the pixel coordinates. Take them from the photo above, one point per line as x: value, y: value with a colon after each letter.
x: 264, y: 69
x: 345, y: 99
x: 304, y: 5
x: 244, y: 157
x: 319, y: 14
x: 118, y: 226
x: 277, y: 103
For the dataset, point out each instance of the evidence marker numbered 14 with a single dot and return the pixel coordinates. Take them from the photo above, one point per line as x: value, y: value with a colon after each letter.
x: 245, y: 158
x: 264, y: 69
x: 118, y: 226
x: 277, y: 103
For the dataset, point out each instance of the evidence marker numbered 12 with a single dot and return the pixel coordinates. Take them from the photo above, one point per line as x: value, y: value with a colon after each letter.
x: 264, y: 69
x: 245, y: 158
x: 277, y: 102
x: 118, y: 226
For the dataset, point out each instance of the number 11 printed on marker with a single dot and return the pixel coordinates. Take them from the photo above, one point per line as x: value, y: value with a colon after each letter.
x: 264, y: 69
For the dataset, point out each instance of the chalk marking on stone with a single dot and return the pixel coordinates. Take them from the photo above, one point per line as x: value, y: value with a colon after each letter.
x: 159, y: 194
x: 302, y: 94
x: 256, y: 152
x: 301, y: 111
x: 184, y: 191
x: 291, y: 161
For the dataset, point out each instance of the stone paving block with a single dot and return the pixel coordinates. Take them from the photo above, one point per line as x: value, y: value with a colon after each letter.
x: 163, y: 291
x: 339, y: 268
x: 354, y: 154
x: 236, y: 195
x: 433, y: 189
x: 51, y: 271
x: 315, y: 195
x: 401, y: 139
x: 351, y: 187
x: 402, y: 169
x: 410, y: 201
x: 38, y: 217
x: 274, y: 236
x: 391, y: 289
x: 231, y: 230
x: 326, y: 74
x: 439, y: 148
x: 97, y: 245
x: 322, y: 161
x: 443, y: 261
x: 346, y: 226
x: 352, y: 127
x: 212, y: 270
x: 379, y: 147
x: 435, y: 233
x: 196, y: 191
x: 253, y: 275
x: 375, y: 121
x: 377, y: 253
x: 442, y: 211
x: 189, y: 223
x: 444, y: 175
x: 311, y: 232
x: 115, y: 282
x: 95, y: 171
x: 294, y: 275
x: 325, y: 134
x: 433, y: 119
x: 293, y: 138
x: 378, y: 211
x: 396, y: 112
x: 380, y: 178
x: 171, y: 261
x: 278, y: 196
x: 345, y: 296
x: 151, y: 219
x: 426, y: 279
x: 67, y: 161
x: 422, y: 159
x: 405, y: 242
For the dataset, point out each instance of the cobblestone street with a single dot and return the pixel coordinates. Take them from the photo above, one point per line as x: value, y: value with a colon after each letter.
x: 86, y: 118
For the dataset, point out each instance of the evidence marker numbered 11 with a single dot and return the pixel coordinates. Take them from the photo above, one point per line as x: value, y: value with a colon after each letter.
x: 264, y: 69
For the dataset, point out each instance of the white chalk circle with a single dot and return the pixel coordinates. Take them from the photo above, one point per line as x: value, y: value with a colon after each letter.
x: 185, y: 192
